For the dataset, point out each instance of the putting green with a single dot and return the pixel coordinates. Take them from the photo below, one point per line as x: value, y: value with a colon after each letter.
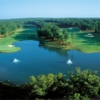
x: 6, y: 49
x: 86, y: 44
x: 4, y: 42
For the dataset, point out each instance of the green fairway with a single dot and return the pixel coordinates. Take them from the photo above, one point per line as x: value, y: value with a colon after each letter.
x: 86, y: 44
x: 19, y: 35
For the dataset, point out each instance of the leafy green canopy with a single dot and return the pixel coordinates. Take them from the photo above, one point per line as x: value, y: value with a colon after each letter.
x: 52, y: 31
x: 8, y: 26
x: 81, y: 85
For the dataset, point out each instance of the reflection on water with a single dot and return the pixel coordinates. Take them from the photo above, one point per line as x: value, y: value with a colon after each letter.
x: 57, y: 50
x: 36, y: 60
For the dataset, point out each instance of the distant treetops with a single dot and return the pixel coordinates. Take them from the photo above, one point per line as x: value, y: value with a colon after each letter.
x: 52, y: 31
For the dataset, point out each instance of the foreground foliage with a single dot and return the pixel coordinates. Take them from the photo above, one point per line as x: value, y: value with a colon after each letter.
x: 81, y: 85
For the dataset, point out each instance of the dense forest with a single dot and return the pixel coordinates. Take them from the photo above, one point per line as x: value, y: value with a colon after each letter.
x: 82, y: 23
x: 8, y: 26
x: 53, y: 32
x: 80, y: 85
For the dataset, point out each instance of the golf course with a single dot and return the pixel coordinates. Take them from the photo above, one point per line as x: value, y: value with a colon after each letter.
x: 79, y: 41
x: 6, y: 41
x: 19, y: 35
x: 49, y: 50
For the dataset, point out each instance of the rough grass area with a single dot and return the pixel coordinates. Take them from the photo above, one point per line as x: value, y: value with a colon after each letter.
x: 23, y: 34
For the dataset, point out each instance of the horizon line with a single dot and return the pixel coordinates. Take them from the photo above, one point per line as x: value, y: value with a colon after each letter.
x: 47, y: 17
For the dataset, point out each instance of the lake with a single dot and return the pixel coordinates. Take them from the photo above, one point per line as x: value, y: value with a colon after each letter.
x: 36, y: 60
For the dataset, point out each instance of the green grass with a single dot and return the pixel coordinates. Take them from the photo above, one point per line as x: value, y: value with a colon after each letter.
x: 24, y: 34
x: 86, y: 44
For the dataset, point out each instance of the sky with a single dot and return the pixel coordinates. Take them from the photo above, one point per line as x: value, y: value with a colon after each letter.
x: 49, y: 8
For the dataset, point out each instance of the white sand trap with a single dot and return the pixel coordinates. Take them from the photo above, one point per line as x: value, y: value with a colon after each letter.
x: 9, y: 45
x: 89, y: 35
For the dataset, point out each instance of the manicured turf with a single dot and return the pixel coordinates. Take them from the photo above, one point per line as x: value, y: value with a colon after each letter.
x: 86, y: 44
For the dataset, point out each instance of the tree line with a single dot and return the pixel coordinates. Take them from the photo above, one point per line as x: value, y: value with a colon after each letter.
x: 82, y: 23
x: 6, y: 26
x: 80, y: 85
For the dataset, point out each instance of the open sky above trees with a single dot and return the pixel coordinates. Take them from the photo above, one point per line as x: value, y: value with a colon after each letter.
x: 49, y: 8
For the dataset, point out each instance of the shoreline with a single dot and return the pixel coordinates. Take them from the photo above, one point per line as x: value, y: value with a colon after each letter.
x: 73, y: 48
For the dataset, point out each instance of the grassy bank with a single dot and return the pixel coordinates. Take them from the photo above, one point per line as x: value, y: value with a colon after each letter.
x: 19, y: 35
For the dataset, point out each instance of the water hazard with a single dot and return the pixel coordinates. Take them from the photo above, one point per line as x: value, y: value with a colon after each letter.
x: 35, y: 60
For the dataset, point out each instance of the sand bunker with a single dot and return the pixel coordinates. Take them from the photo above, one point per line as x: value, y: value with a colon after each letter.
x: 89, y: 35
x: 10, y: 46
